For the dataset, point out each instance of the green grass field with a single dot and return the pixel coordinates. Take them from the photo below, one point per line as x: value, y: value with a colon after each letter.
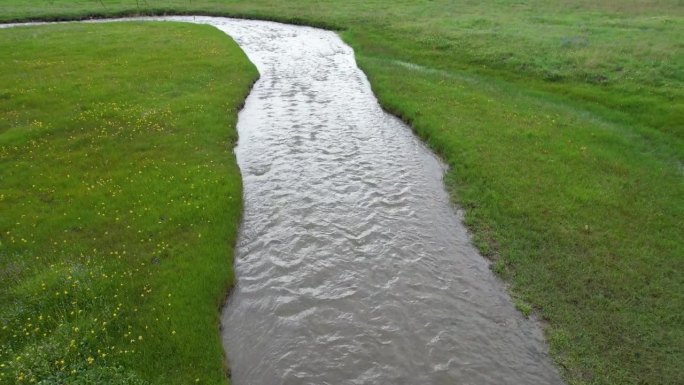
x: 563, y: 124
x: 120, y: 201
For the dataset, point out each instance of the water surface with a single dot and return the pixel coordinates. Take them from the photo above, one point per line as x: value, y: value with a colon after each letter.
x: 352, y: 266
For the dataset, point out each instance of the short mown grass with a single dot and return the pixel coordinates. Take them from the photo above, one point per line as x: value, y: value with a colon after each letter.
x: 120, y: 200
x: 563, y: 124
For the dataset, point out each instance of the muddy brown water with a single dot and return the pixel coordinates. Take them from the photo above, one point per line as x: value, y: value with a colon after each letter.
x: 352, y: 265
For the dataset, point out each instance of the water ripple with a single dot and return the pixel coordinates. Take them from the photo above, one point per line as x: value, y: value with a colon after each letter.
x: 352, y: 266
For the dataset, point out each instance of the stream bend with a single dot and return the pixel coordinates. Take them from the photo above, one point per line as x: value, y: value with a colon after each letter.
x: 352, y: 265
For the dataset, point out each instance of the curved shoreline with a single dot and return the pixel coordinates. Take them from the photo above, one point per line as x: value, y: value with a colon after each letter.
x: 443, y: 198
x: 266, y: 190
x: 122, y: 158
x: 485, y: 113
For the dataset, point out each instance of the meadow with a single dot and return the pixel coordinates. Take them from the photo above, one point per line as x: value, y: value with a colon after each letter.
x: 120, y: 201
x: 563, y: 125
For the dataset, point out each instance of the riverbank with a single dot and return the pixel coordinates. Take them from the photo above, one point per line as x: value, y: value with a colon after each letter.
x: 120, y: 202
x: 563, y: 129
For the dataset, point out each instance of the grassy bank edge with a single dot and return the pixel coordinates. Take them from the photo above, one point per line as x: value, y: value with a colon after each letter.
x: 483, y: 240
x: 225, y: 244
x: 104, y: 14
x: 486, y: 246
